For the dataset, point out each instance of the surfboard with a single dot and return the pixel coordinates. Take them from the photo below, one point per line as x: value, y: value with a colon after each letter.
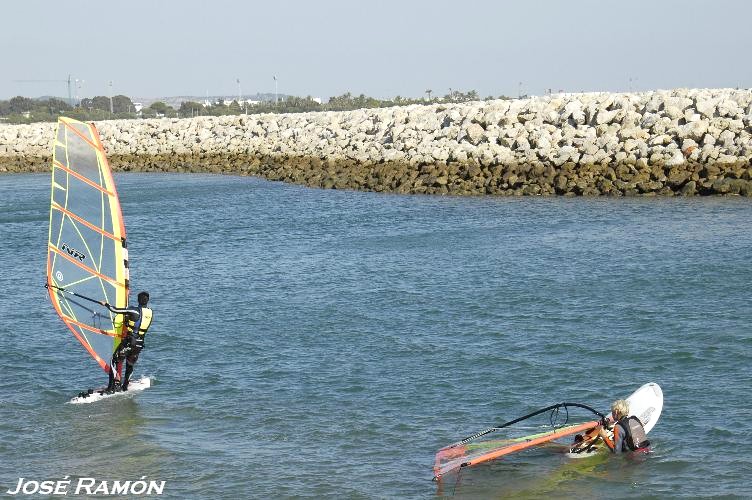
x: 646, y: 403
x: 134, y: 387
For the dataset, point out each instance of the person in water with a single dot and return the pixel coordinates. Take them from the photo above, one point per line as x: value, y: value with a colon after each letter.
x: 138, y: 319
x: 629, y: 434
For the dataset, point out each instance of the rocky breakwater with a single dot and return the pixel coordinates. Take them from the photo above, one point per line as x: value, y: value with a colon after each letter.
x: 664, y: 142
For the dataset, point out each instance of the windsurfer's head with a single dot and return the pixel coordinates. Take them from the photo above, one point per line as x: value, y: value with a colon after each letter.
x: 619, y: 409
x: 143, y: 298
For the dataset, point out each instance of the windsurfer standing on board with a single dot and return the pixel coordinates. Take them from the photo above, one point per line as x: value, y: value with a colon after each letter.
x: 138, y: 321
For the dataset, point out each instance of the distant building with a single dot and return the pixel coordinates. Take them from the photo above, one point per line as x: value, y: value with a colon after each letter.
x: 138, y: 106
x: 317, y: 100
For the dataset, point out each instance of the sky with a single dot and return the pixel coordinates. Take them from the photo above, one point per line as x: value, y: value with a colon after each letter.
x: 162, y: 48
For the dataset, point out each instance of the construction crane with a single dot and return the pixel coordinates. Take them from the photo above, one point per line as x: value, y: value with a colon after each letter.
x: 68, y: 81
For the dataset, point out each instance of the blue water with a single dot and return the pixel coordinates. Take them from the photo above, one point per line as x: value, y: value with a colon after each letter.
x: 326, y: 343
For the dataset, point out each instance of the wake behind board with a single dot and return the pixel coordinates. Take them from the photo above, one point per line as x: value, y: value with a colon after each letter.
x: 646, y: 403
x: 97, y: 395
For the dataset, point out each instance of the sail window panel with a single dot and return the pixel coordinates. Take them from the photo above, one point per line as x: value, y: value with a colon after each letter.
x: 89, y: 248
x: 83, y: 130
x: 59, y: 194
x: 89, y: 203
x: 69, y: 274
x: 57, y: 219
x: 103, y: 345
x: 86, y: 162
x: 60, y: 155
x: 75, y: 279
x: 60, y: 133
x: 109, y: 219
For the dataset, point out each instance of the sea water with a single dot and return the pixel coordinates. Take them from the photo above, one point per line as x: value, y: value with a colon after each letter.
x: 326, y: 343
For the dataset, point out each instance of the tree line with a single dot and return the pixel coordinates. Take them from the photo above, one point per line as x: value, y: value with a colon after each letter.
x: 25, y: 110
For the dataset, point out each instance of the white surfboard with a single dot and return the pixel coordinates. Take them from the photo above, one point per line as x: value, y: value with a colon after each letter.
x: 133, y: 387
x: 646, y: 403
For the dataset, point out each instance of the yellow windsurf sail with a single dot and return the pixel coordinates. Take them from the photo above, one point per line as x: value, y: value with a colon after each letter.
x: 87, y: 257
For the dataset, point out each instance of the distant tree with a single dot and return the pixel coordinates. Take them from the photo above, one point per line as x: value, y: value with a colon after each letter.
x: 122, y: 104
x: 98, y: 102
x: 160, y: 108
x: 234, y: 108
x: 58, y: 107
x: 190, y: 108
x: 339, y: 103
x: 20, y: 104
x: 24, y: 110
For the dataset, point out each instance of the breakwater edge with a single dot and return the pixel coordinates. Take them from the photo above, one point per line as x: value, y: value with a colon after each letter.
x: 685, y: 141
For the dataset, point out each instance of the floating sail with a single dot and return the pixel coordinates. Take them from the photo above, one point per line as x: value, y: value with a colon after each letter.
x: 452, y: 458
x: 478, y: 448
x: 87, y: 255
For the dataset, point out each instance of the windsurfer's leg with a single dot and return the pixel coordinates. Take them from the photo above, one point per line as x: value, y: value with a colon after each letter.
x: 114, y: 371
x: 111, y: 381
x: 127, y: 377
x: 111, y: 372
x: 130, y: 363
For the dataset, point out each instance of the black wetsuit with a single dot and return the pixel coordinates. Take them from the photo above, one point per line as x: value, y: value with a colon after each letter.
x: 129, y: 348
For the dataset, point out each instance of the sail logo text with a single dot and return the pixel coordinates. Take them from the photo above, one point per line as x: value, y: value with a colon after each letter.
x: 87, y: 486
x: 73, y: 252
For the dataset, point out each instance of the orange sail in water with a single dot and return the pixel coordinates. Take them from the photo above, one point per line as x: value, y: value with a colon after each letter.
x: 477, y: 449
x: 451, y: 459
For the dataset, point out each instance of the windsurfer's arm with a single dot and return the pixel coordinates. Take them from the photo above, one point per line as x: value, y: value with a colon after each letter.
x: 133, y: 313
x: 618, y: 439
x: 606, y: 438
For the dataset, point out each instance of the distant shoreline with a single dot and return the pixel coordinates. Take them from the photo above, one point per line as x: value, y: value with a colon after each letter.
x: 680, y: 142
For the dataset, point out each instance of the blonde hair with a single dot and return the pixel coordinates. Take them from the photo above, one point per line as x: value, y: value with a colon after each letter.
x: 621, y: 408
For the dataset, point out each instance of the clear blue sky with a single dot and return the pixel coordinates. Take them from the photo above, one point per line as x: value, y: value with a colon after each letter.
x: 160, y: 48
